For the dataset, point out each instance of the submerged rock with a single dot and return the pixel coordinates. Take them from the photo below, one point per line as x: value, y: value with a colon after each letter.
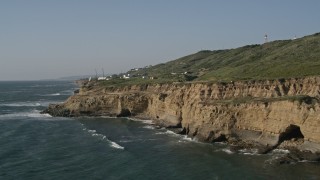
x: 296, y: 156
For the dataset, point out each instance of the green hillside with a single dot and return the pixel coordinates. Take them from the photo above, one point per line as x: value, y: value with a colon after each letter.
x: 273, y: 60
x: 277, y: 59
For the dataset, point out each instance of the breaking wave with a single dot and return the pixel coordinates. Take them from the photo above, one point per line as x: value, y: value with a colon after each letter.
x: 183, y: 138
x: 67, y: 92
x: 33, y: 114
x: 104, y: 138
x: 280, y: 151
x: 249, y: 151
x: 143, y: 121
x: 115, y: 145
x: 226, y: 150
x: 29, y: 104
x: 54, y: 94
x: 148, y: 127
x: 62, y: 93
x: 168, y: 132
x: 21, y: 104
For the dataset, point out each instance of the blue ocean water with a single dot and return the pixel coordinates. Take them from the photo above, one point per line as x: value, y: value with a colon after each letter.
x: 38, y: 146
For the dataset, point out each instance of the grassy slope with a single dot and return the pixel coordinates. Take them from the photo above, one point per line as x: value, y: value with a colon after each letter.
x: 277, y: 59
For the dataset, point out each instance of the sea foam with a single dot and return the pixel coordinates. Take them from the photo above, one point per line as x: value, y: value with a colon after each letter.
x: 143, y: 121
x: 21, y: 104
x: 32, y: 114
x: 183, y: 138
x: 280, y: 151
x: 226, y: 150
x: 103, y: 137
x: 115, y: 145
x: 249, y: 151
x: 54, y: 94
x: 148, y: 127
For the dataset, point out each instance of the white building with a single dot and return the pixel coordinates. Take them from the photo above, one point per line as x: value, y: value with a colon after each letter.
x: 102, y: 78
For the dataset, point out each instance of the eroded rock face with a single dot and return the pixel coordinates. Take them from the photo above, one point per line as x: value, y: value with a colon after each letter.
x: 260, y: 112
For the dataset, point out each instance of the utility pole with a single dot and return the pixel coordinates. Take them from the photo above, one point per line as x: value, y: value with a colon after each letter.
x: 102, y: 72
x: 96, y: 73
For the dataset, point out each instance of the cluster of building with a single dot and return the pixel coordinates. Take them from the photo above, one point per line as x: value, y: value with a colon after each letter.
x: 124, y: 75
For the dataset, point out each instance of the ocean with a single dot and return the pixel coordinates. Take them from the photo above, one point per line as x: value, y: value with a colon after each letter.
x: 38, y: 146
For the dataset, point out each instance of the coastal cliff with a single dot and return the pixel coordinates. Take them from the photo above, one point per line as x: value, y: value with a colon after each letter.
x: 265, y: 113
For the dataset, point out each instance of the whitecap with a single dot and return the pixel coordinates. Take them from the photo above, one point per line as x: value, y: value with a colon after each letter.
x: 143, y: 121
x: 47, y: 103
x: 115, y: 145
x: 280, y: 151
x: 169, y: 133
x: 21, y: 104
x: 67, y: 92
x: 147, y: 122
x: 53, y: 94
x: 99, y: 135
x: 183, y: 138
x: 32, y: 114
x: 103, y: 137
x: 249, y: 151
x: 148, y: 127
x: 92, y: 131
x: 221, y: 143
x: 307, y: 161
x: 126, y: 141
x: 13, y: 115
x: 228, y: 151
x: 186, y: 138
x: 38, y: 115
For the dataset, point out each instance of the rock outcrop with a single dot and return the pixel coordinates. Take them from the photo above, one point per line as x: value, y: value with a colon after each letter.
x: 263, y: 114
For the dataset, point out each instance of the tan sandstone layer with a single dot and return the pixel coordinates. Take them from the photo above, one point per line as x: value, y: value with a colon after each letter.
x: 269, y: 112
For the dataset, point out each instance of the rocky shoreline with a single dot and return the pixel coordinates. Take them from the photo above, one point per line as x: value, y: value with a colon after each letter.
x: 262, y: 115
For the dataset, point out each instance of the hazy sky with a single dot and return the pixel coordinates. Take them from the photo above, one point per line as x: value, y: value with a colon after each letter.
x: 42, y: 39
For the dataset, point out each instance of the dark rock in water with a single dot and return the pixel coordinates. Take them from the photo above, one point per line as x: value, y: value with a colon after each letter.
x: 296, y: 156
x: 313, y: 157
x: 57, y: 110
x: 237, y: 145
x: 304, y: 155
x: 176, y: 130
x: 265, y: 149
x: 76, y: 91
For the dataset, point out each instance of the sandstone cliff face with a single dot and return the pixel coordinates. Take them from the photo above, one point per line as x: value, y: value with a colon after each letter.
x: 263, y: 112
